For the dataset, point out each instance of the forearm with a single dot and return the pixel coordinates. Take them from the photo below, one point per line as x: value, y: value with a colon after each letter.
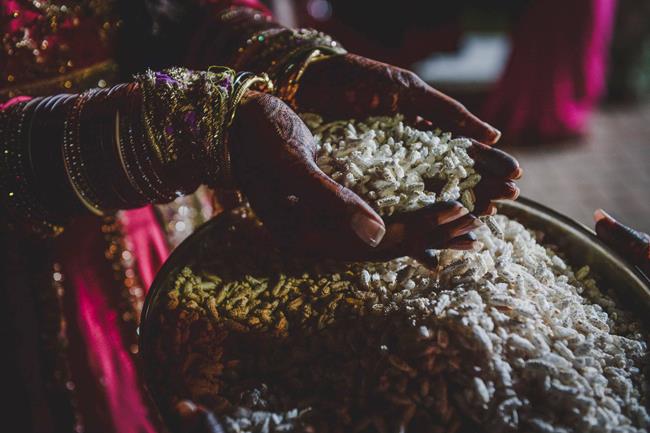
x: 119, y: 148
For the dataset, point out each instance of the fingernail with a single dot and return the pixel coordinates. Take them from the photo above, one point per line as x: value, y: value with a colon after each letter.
x: 600, y: 214
x: 455, y: 214
x: 469, y: 225
x: 186, y: 408
x: 369, y: 230
x: 497, y: 134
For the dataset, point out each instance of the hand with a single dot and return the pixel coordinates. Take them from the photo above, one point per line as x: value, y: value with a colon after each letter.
x: 498, y: 171
x: 352, y: 86
x: 306, y: 211
x: 195, y: 419
x: 631, y: 244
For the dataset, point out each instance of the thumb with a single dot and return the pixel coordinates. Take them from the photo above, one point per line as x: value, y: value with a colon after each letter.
x: 345, y: 210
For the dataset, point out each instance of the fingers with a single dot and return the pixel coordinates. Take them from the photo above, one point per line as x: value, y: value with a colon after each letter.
x: 494, y: 161
x: 436, y: 213
x: 284, y: 184
x: 631, y: 244
x: 426, y: 228
x: 457, y: 228
x: 492, y: 188
x: 441, y: 225
x: 427, y: 234
x: 498, y: 170
x: 340, y: 205
x: 429, y: 259
x: 468, y: 241
x: 446, y: 113
x: 196, y: 419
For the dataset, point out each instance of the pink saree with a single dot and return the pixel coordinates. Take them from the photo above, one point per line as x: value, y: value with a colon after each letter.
x: 556, y: 72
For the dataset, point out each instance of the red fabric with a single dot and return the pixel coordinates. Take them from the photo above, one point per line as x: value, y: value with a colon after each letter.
x: 556, y: 71
x: 107, y: 385
x: 110, y: 391
x: 146, y: 241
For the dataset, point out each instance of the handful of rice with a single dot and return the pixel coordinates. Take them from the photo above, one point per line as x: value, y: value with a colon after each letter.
x: 505, y: 338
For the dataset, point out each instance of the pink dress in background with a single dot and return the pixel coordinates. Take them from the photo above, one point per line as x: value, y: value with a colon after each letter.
x: 556, y: 72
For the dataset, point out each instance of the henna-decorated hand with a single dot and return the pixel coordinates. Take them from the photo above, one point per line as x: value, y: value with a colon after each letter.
x: 498, y: 172
x: 631, y: 244
x: 351, y: 86
x: 306, y: 211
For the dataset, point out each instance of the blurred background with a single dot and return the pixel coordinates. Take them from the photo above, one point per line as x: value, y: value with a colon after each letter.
x: 567, y: 82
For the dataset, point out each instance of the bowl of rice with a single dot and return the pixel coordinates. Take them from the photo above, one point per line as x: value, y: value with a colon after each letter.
x: 540, y: 329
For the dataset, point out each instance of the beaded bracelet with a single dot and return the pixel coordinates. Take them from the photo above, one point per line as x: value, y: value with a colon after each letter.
x: 95, y: 137
x: 133, y: 133
x: 74, y: 161
x: 113, y: 146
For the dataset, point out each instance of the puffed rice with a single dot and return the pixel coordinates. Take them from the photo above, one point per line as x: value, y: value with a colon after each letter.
x: 538, y: 347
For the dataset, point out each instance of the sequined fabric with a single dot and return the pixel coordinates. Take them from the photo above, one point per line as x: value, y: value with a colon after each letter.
x: 73, y: 303
x: 61, y: 42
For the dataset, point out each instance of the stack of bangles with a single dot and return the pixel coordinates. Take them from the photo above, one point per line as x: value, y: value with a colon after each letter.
x: 123, y: 147
x: 285, y: 55
x: 18, y: 179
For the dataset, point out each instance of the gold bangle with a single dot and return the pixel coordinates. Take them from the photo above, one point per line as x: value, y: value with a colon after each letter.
x: 289, y: 82
x: 243, y: 82
x: 269, y: 48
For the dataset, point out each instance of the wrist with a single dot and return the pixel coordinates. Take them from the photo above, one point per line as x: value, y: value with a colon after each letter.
x: 285, y: 54
x: 223, y: 32
x: 187, y: 116
x: 271, y: 49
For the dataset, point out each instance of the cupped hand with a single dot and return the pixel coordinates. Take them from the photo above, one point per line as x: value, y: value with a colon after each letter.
x: 631, y: 244
x: 498, y: 172
x: 351, y: 86
x: 273, y: 158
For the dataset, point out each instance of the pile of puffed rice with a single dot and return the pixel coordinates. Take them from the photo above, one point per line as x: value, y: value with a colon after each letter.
x: 501, y: 339
x: 391, y: 164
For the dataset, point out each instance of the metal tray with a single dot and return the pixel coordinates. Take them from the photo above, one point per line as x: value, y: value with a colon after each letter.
x: 576, y: 242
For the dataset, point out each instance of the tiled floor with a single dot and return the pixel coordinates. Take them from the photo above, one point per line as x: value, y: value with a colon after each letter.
x: 609, y: 168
